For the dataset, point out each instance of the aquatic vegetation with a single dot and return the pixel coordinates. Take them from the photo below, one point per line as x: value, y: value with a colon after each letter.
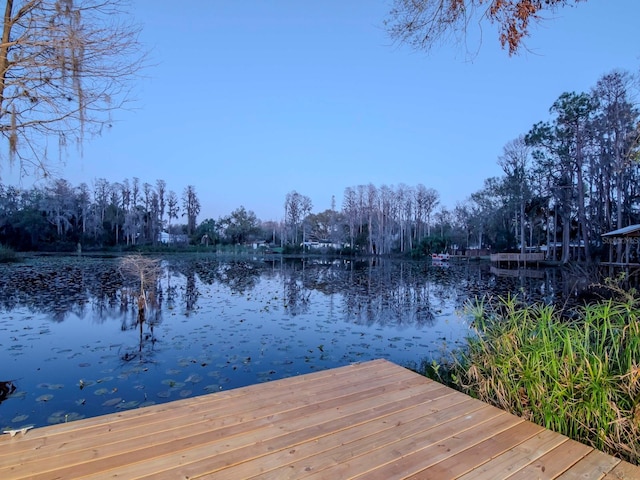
x: 194, y: 378
x: 70, y: 326
x: 578, y: 376
x: 64, y: 417
x: 112, y: 402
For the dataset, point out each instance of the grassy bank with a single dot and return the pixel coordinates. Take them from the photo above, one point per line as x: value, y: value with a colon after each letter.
x: 579, y: 376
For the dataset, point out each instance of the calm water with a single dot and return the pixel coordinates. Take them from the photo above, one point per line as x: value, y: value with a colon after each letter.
x: 71, y: 345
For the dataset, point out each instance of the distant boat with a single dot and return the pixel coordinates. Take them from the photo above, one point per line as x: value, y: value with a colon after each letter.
x: 440, y: 257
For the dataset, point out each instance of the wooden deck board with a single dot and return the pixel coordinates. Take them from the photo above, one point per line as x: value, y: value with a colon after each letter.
x: 373, y: 420
x: 553, y: 463
x: 462, y: 460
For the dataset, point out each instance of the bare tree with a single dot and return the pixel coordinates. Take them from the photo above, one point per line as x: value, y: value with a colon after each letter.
x: 462, y: 217
x: 404, y: 197
x: 161, y: 190
x: 172, y: 208
x: 617, y: 132
x: 58, y: 203
x: 305, y: 209
x: 148, y: 219
x: 296, y: 207
x: 427, y: 199
x: 292, y: 213
x: 65, y: 65
x: 83, y: 197
x: 513, y: 162
x: 566, y: 144
x: 191, y: 207
x: 350, y: 210
x: 135, y: 192
x: 146, y: 270
x: 371, y: 192
x: 114, y: 200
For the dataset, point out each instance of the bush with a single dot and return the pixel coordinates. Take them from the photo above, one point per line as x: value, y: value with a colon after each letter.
x: 578, y: 377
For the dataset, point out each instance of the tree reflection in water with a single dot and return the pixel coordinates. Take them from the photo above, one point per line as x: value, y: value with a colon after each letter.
x: 371, y: 291
x: 225, y: 323
x: 133, y: 319
x: 6, y: 389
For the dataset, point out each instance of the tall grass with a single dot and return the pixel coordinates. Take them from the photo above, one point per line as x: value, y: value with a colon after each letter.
x: 579, y: 377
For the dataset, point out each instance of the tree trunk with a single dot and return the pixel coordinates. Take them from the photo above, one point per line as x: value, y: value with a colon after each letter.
x: 522, y: 228
x: 582, y: 216
x: 566, y: 239
x: 4, y: 50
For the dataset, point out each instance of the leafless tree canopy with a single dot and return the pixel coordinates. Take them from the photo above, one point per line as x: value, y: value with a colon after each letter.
x: 145, y: 269
x: 65, y: 65
x: 423, y: 24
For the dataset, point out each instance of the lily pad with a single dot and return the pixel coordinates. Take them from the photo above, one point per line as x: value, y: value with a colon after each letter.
x: 194, y: 378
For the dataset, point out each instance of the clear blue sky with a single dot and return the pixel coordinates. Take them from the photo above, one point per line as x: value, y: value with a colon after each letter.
x: 250, y: 99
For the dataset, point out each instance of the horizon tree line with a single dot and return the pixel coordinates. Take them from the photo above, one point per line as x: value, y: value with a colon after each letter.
x: 120, y: 213
x: 566, y: 181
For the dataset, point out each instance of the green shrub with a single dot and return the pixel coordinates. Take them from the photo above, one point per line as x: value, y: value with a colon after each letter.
x: 578, y: 377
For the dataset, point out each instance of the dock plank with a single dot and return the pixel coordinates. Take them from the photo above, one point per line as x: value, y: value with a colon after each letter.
x: 594, y: 465
x: 555, y: 462
x: 461, y: 461
x: 517, y: 457
x: 373, y: 420
x: 278, y: 435
x: 168, y: 436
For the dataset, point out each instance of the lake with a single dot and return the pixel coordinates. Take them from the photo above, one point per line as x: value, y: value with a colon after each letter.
x: 72, y: 345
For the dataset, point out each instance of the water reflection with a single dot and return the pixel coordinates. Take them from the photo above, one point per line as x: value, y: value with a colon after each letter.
x: 367, y: 292
x: 239, y: 276
x: 6, y: 389
x: 144, y: 320
x: 73, y: 338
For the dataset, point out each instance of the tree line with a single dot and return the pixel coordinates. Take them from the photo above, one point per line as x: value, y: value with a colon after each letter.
x: 60, y: 216
x: 566, y: 181
x: 569, y: 179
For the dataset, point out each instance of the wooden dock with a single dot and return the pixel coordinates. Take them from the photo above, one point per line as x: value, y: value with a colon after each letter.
x: 373, y: 420
x: 517, y: 273
x: 517, y: 258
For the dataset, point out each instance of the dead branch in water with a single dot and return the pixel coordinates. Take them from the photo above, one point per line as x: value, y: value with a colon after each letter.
x: 146, y: 270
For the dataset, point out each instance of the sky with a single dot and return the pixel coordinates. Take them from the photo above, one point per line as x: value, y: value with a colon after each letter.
x: 249, y: 100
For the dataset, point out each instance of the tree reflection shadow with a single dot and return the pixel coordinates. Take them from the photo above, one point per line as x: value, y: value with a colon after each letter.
x: 297, y: 297
x: 7, y: 388
x: 371, y: 291
x: 136, y: 318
